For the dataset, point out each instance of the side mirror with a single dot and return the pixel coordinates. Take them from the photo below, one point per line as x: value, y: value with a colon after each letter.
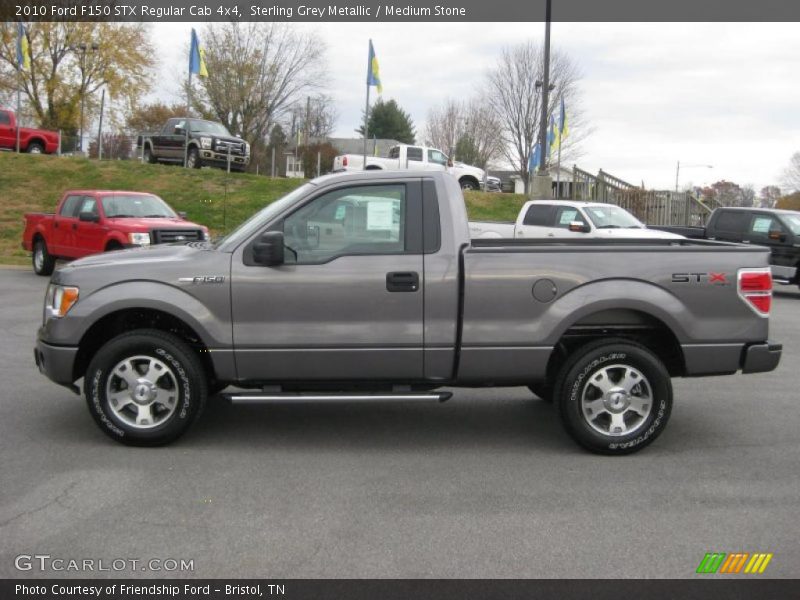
x: 182, y: 214
x: 88, y: 217
x: 777, y: 234
x: 180, y: 131
x: 579, y: 227
x: 268, y: 249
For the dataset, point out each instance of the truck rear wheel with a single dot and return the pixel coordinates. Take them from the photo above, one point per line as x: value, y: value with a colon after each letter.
x: 43, y: 262
x: 148, y: 155
x: 614, y: 396
x: 145, y: 388
x: 35, y: 148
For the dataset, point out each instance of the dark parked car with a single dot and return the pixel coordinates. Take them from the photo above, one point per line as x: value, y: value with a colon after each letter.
x: 778, y: 230
x: 209, y: 144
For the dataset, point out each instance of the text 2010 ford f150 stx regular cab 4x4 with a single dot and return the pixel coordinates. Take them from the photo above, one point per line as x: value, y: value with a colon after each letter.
x: 366, y: 286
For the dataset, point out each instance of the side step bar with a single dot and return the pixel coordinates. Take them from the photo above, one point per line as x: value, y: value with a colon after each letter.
x: 285, y: 397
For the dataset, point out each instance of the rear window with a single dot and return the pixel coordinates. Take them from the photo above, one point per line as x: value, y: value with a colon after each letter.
x: 538, y: 214
x: 70, y: 206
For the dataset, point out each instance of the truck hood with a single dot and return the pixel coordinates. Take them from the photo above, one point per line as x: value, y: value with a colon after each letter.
x: 142, y: 224
x: 125, y: 260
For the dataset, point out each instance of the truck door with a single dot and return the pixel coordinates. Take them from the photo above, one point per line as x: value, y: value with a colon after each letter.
x: 537, y: 222
x: 8, y: 134
x: 348, y: 302
x: 63, y: 238
x: 89, y: 236
x: 766, y: 230
x: 562, y: 217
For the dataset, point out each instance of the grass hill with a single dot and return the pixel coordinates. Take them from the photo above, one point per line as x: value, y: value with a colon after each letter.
x: 209, y: 196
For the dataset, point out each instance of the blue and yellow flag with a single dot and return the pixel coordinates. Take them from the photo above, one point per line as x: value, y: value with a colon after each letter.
x: 23, y: 50
x: 197, y: 57
x: 552, y: 136
x: 563, y: 128
x: 373, y: 70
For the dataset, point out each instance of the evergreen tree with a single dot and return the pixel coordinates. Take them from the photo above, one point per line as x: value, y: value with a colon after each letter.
x: 388, y: 121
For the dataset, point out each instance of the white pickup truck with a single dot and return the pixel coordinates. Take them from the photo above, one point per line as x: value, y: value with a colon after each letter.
x: 569, y: 219
x: 413, y: 158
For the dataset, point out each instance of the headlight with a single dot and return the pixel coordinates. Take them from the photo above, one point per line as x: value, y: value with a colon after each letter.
x: 246, y: 148
x: 59, y: 299
x: 139, y: 239
x: 206, y: 235
x: 205, y: 142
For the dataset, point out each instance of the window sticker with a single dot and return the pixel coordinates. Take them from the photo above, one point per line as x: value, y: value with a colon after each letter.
x: 379, y: 214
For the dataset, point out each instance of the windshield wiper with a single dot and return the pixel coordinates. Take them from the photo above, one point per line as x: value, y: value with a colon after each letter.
x: 609, y: 227
x: 156, y: 217
x: 121, y: 217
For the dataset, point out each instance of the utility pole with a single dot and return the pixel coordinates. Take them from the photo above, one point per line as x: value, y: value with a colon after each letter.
x: 100, y: 128
x: 545, y: 92
x: 83, y: 48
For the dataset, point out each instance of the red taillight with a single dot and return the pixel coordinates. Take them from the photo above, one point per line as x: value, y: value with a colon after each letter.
x: 755, y: 288
x: 344, y: 161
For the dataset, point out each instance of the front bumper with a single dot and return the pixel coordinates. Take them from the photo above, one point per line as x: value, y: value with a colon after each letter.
x: 56, y: 362
x: 222, y: 158
x: 760, y: 358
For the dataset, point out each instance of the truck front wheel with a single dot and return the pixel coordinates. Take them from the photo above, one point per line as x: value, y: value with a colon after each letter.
x: 148, y: 155
x: 614, y: 396
x: 35, y: 148
x: 193, y: 159
x: 43, y: 262
x: 145, y: 387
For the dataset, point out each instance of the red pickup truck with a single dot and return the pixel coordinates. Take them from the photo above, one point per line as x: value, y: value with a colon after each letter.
x: 91, y: 221
x: 34, y: 141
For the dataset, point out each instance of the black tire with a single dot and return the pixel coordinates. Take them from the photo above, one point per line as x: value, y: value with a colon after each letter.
x: 544, y: 391
x: 147, y: 154
x: 578, y: 386
x: 193, y: 159
x: 43, y: 262
x: 35, y: 148
x: 112, y: 246
x: 181, y: 379
x: 469, y: 184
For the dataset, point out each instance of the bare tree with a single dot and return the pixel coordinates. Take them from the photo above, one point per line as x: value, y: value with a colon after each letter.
x: 516, y: 100
x: 473, y: 123
x: 314, y: 116
x: 256, y: 72
x: 791, y: 175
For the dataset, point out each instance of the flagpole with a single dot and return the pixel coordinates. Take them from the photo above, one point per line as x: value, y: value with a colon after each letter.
x: 366, y: 126
x: 186, y: 123
x: 19, y: 101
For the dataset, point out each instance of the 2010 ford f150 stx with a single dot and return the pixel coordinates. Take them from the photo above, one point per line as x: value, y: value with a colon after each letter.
x: 366, y: 286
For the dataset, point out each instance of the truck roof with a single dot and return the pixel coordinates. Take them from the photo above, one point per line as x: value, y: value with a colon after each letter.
x: 127, y: 193
x: 378, y: 174
x: 780, y: 211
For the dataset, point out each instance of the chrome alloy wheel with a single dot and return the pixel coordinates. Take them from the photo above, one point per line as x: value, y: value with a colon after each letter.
x: 617, y: 400
x: 38, y: 257
x: 142, y: 392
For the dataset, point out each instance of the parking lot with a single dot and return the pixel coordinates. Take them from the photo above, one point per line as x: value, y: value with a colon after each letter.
x: 485, y: 485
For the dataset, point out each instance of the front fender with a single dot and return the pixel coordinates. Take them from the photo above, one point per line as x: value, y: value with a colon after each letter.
x: 213, y: 328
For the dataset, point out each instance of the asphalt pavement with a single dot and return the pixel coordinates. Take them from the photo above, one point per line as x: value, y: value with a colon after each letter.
x: 485, y: 485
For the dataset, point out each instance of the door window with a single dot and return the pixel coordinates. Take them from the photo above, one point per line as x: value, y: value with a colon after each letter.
x: 762, y: 225
x: 360, y: 220
x: 437, y: 157
x: 89, y: 205
x: 414, y: 153
x: 566, y: 215
x: 538, y: 215
x: 5, y: 119
x: 733, y: 221
x: 70, y: 206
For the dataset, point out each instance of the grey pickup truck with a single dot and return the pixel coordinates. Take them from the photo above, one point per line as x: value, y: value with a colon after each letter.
x: 366, y: 287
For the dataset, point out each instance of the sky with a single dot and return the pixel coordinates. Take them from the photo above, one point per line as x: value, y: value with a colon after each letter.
x: 719, y: 94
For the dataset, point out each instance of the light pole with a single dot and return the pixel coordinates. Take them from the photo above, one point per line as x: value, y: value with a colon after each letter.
x: 678, y: 171
x: 82, y: 49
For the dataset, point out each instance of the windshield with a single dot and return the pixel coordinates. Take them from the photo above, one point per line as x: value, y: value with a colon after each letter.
x: 612, y: 217
x: 138, y: 205
x: 793, y: 221
x: 251, y: 225
x: 209, y: 127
